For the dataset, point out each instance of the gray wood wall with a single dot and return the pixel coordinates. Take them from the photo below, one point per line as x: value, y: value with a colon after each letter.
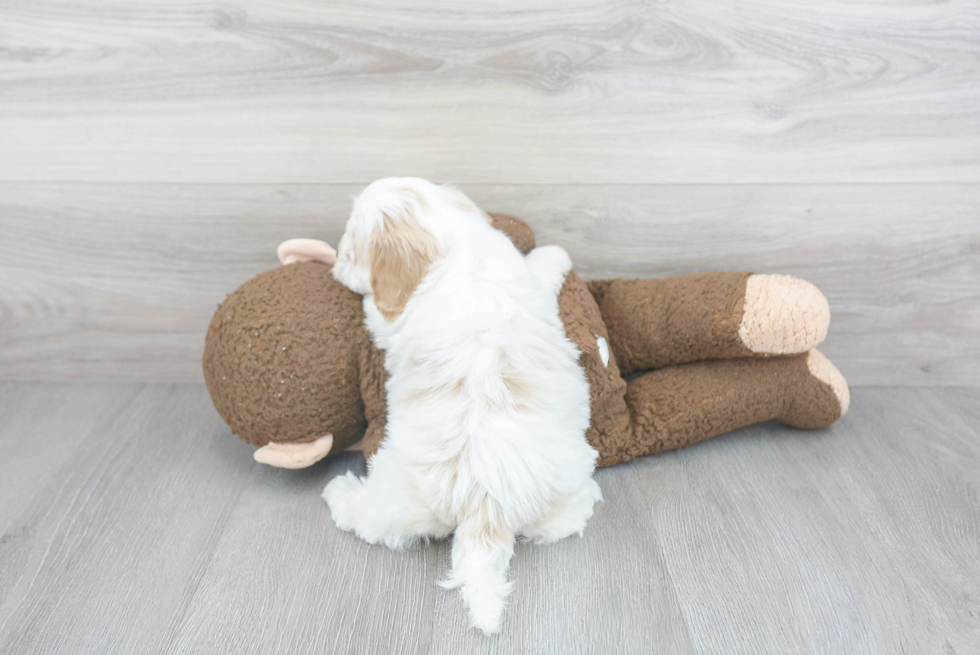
x: 153, y: 154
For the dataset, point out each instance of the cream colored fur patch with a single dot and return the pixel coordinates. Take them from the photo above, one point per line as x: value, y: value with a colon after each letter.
x: 783, y: 315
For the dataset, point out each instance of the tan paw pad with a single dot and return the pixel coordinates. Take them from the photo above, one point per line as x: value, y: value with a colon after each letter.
x: 783, y: 315
x: 821, y: 368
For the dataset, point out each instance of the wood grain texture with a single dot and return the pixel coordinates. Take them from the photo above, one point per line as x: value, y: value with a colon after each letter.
x: 158, y: 533
x: 872, y: 524
x: 120, y: 281
x: 32, y: 418
x: 307, y: 588
x: 110, y: 546
x: 614, y: 91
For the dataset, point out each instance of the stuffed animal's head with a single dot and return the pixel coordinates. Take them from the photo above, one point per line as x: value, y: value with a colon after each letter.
x: 287, y: 359
x: 281, y: 358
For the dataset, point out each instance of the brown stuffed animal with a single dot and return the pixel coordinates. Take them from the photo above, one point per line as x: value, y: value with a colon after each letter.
x: 291, y: 368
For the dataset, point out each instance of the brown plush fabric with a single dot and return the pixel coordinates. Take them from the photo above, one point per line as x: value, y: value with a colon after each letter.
x: 373, y: 379
x: 281, y: 358
x: 287, y: 359
x: 519, y: 232
x: 674, y: 406
x: 674, y: 320
x: 610, y: 427
x: 681, y: 405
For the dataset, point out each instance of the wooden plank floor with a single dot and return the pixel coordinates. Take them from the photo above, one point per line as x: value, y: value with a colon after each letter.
x: 132, y: 521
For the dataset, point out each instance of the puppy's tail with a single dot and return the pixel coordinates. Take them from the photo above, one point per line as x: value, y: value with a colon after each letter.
x: 482, y: 548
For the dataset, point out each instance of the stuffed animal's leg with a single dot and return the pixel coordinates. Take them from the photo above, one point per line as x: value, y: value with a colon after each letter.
x: 382, y: 507
x: 681, y: 405
x: 688, y: 318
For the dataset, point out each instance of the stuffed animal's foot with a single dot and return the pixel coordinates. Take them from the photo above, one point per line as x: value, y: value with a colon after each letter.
x: 783, y: 315
x: 819, y: 398
x: 822, y: 369
x: 568, y: 517
x: 294, y: 455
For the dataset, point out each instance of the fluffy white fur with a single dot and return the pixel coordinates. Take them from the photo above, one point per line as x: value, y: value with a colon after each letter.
x: 487, y: 405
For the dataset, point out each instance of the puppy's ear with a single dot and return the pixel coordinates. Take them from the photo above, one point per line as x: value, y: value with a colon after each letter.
x: 401, y: 253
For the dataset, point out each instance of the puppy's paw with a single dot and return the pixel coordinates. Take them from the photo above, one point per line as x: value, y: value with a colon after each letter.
x: 342, y: 495
x: 550, y: 264
x: 566, y: 519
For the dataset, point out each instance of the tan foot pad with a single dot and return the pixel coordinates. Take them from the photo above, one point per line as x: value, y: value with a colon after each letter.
x: 294, y: 455
x: 821, y: 368
x: 783, y: 315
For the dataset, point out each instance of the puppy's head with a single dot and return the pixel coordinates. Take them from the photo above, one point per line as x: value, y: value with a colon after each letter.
x: 386, y: 249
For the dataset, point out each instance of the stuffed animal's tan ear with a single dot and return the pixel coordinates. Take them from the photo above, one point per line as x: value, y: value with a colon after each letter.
x: 306, y: 250
x: 401, y: 253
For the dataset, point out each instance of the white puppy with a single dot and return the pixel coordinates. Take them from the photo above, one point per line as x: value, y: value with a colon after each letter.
x: 487, y: 404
